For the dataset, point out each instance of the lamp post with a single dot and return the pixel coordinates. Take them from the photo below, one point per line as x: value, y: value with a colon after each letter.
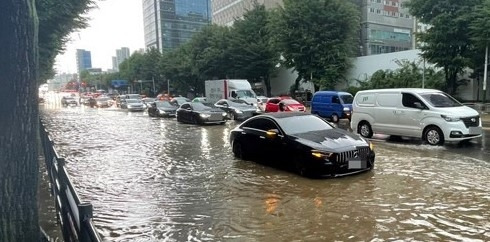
x: 168, y: 87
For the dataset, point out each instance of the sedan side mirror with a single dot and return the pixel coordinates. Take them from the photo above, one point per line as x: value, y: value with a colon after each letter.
x: 271, y: 133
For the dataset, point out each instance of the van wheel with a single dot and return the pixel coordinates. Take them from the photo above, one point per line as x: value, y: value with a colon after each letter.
x: 335, y: 118
x: 434, y: 136
x: 365, y: 130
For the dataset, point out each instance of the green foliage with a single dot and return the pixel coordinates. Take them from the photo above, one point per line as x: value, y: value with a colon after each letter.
x: 254, y: 57
x: 410, y: 74
x: 57, y: 19
x: 317, y: 38
x: 447, y: 43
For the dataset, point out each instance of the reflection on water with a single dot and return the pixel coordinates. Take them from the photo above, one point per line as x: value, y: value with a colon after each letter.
x: 155, y: 179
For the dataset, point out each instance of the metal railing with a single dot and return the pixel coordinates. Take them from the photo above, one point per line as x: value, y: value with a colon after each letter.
x: 74, y: 216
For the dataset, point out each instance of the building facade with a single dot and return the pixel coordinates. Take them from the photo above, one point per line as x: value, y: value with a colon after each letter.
x: 386, y: 26
x: 121, y: 55
x: 84, y: 60
x: 170, y: 23
x: 226, y: 11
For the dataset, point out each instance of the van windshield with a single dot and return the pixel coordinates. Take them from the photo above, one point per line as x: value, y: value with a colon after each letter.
x: 245, y: 93
x: 441, y: 100
x: 346, y: 99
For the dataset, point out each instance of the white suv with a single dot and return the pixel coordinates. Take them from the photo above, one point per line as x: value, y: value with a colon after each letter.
x: 413, y: 112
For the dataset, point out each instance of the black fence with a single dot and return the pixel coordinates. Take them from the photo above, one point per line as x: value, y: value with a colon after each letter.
x: 74, y: 216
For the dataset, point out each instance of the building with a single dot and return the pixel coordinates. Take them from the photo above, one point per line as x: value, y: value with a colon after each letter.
x: 84, y: 60
x: 121, y: 55
x: 386, y: 26
x: 226, y: 11
x: 170, y: 23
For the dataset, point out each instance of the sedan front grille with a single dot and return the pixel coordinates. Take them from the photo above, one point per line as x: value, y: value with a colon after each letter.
x: 360, y: 152
x: 471, y: 121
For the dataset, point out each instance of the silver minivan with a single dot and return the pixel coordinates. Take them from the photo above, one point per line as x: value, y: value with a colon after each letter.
x: 429, y: 114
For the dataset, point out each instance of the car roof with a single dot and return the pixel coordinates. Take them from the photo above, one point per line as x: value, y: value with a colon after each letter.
x: 329, y: 92
x: 280, y: 115
x: 397, y: 90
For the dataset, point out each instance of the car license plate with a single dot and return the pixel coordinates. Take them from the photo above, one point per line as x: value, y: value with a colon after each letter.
x: 356, y: 163
x: 475, y: 130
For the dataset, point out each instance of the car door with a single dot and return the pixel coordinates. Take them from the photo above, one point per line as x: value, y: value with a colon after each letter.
x: 411, y: 115
x: 385, y: 113
x: 272, y: 105
x: 269, y: 149
x: 185, y: 112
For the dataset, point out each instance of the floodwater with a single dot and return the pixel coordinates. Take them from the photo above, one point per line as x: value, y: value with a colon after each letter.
x: 153, y: 179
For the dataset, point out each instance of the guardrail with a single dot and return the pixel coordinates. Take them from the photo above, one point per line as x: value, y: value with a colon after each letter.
x: 74, y: 216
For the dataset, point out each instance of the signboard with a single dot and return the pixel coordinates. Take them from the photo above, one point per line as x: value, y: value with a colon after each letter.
x: 119, y: 83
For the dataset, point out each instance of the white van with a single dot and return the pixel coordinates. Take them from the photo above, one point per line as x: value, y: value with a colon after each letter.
x: 413, y: 112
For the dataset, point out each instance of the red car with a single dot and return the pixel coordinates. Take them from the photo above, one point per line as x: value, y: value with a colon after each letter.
x: 284, y: 104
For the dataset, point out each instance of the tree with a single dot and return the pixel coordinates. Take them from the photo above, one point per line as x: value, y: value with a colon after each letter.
x: 447, y: 43
x: 480, y: 35
x: 19, y: 75
x: 251, y: 47
x: 317, y: 38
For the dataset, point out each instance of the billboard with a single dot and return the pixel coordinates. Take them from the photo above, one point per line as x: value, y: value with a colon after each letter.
x: 119, y: 83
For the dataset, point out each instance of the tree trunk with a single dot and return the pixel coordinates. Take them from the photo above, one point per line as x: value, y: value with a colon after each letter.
x: 267, y: 82
x: 19, y: 121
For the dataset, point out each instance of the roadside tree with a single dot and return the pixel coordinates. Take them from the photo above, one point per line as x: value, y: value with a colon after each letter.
x: 317, y: 38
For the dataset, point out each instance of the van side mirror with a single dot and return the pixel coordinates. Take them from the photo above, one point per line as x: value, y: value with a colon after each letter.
x: 418, y: 105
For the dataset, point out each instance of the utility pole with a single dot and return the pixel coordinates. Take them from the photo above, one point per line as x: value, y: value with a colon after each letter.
x: 423, y: 75
x: 485, y: 73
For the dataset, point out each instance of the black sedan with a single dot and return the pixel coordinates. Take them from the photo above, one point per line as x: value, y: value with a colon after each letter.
x: 304, y: 142
x: 162, y: 109
x: 198, y: 113
x: 237, y: 109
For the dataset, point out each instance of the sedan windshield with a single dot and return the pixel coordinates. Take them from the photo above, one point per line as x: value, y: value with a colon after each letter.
x: 302, y: 124
x: 245, y: 93
x: 200, y: 107
x: 164, y: 105
x: 133, y: 101
x: 346, y: 99
x: 239, y: 103
x: 441, y: 100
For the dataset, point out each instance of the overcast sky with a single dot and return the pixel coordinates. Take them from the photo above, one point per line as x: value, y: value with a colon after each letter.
x: 114, y: 24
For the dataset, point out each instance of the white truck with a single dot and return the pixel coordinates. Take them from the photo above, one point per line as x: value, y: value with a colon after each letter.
x: 230, y: 89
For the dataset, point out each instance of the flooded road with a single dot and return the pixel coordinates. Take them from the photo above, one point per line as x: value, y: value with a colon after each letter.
x: 153, y: 179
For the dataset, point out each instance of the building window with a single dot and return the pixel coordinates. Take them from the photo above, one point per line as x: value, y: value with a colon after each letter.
x: 371, y: 10
x: 401, y: 15
x: 407, y: 16
x: 386, y: 2
x: 378, y: 11
x: 378, y: 1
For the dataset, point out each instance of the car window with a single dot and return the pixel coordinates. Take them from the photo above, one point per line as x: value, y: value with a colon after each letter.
x: 274, y: 101
x: 163, y: 104
x: 335, y: 99
x: 290, y: 101
x: 303, y: 124
x: 222, y: 103
x: 185, y: 106
x: 409, y: 100
x: 346, y: 99
x: 260, y: 124
x: 441, y: 100
x: 200, y: 106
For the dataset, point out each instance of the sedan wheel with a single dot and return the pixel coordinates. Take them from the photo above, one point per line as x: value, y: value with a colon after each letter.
x: 434, y: 136
x: 335, y: 118
x: 365, y: 130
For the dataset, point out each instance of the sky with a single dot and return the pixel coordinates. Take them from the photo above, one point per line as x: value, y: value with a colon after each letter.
x: 112, y: 25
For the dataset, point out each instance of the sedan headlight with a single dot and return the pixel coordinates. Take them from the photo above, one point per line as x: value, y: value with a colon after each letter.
x: 371, y: 146
x: 203, y: 115
x: 321, y: 154
x: 162, y: 112
x: 346, y: 109
x: 238, y: 111
x: 224, y: 114
x: 450, y: 118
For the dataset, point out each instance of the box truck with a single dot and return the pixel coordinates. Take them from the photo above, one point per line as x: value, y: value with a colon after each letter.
x: 230, y: 89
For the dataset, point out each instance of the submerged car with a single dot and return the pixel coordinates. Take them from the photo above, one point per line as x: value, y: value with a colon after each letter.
x: 177, y: 101
x: 237, y: 109
x: 68, y: 101
x: 103, y: 102
x: 304, y: 142
x: 162, y: 109
x: 133, y: 105
x: 198, y: 113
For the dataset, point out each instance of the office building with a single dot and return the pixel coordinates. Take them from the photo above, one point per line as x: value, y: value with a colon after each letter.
x: 170, y: 23
x: 226, y: 11
x: 386, y: 26
x: 84, y: 60
x: 121, y: 55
